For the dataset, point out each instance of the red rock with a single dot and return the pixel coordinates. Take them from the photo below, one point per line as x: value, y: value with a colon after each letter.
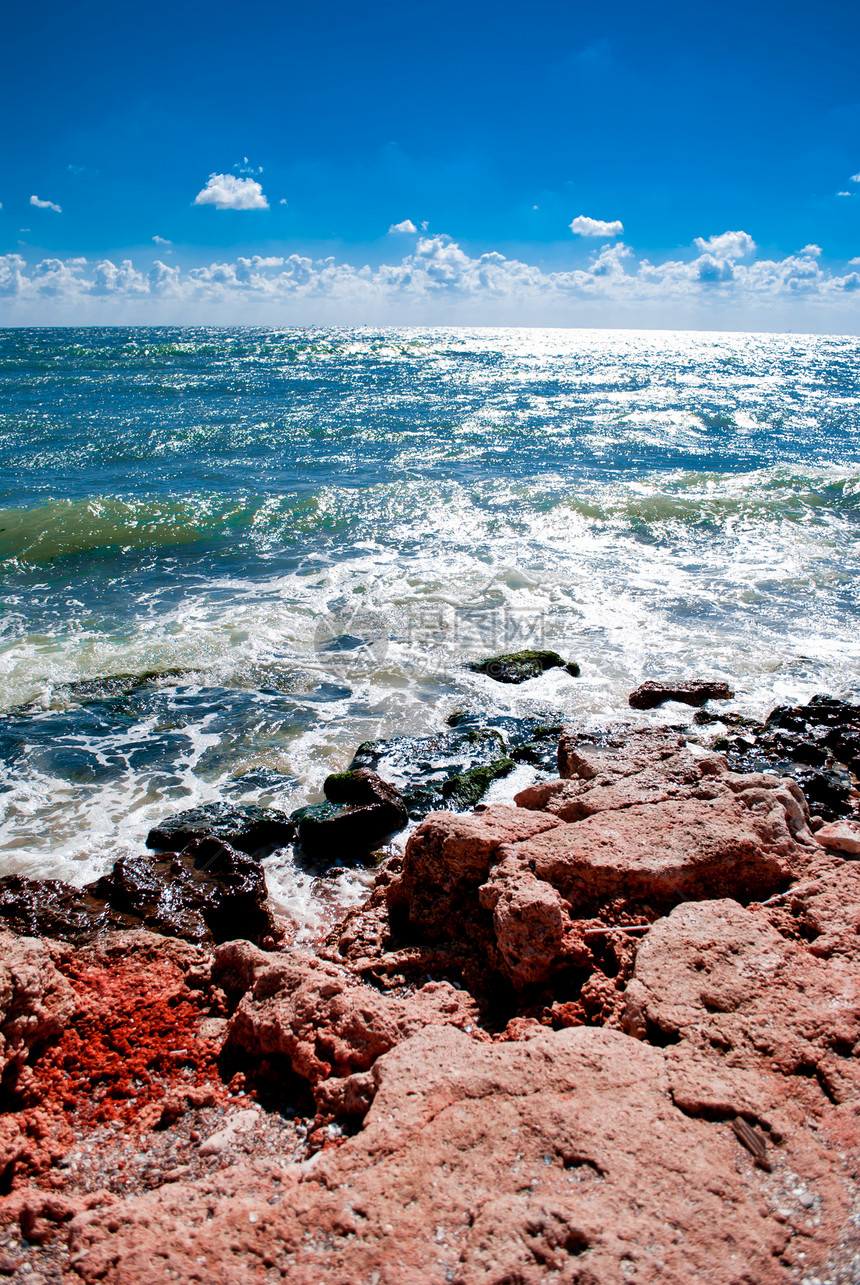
x: 36, y: 1000
x: 695, y: 692
x: 843, y: 836
x: 322, y: 1020
x: 643, y: 824
x: 563, y: 1157
x: 450, y: 855
x: 715, y: 976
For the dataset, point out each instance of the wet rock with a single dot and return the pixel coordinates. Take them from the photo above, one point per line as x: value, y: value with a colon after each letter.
x: 254, y: 830
x: 695, y: 692
x: 818, y: 744
x: 57, y: 910
x: 208, y: 892
x: 519, y: 666
x: 455, y: 768
x: 361, y: 812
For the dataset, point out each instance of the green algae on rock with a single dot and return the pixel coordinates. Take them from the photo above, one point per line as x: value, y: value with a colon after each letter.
x: 520, y: 666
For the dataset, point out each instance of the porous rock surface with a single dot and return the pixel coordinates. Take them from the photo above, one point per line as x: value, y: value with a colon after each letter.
x: 562, y: 1158
x: 323, y: 1022
x: 36, y: 1000
x: 651, y: 1076
x: 639, y: 827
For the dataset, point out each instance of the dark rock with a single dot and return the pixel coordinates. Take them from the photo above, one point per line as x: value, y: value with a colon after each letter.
x: 362, y: 810
x: 208, y: 892
x: 254, y: 830
x: 468, y: 788
x: 423, y: 766
x: 519, y: 666
x: 695, y: 692
x: 51, y: 908
x: 454, y: 769
x: 818, y: 744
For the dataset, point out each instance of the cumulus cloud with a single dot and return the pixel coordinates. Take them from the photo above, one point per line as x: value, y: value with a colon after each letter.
x: 227, y: 192
x: 437, y: 281
x: 45, y: 205
x: 814, y: 251
x: 406, y: 226
x: 161, y: 240
x: 582, y: 225
x: 728, y: 245
x: 843, y: 193
x: 855, y: 178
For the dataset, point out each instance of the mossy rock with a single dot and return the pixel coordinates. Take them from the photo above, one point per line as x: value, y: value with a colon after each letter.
x: 468, y: 788
x: 520, y: 666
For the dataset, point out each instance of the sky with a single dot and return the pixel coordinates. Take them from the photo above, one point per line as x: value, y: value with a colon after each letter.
x: 569, y: 163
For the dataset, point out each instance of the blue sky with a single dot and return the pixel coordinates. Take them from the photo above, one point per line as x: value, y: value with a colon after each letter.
x: 487, y: 128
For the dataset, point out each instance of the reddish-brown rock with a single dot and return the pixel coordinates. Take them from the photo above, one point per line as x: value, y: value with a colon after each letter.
x: 643, y: 824
x: 695, y: 691
x: 715, y: 976
x: 562, y: 1157
x: 321, y: 1020
x: 36, y: 1000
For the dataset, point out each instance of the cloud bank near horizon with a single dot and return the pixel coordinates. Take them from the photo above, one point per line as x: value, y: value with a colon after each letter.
x: 438, y: 281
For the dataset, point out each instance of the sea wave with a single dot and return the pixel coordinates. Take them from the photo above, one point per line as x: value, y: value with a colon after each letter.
x: 57, y: 528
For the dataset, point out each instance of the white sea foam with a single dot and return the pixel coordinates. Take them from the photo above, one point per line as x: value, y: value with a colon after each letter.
x: 644, y: 504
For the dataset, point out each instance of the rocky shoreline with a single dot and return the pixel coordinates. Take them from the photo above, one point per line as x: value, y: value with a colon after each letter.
x: 607, y: 1032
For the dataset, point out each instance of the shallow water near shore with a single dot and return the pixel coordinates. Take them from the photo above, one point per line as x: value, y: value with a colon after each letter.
x: 230, y: 556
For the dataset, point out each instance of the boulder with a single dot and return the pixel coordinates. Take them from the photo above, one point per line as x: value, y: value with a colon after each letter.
x: 361, y: 812
x: 206, y: 893
x: 253, y: 830
x: 634, y: 828
x: 818, y: 744
x: 695, y: 692
x: 519, y: 666
x: 51, y: 908
x: 842, y: 836
x: 451, y: 769
x: 715, y: 977
x: 319, y: 1019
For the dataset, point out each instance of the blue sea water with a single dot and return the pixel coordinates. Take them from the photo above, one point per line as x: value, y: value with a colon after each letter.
x: 302, y: 537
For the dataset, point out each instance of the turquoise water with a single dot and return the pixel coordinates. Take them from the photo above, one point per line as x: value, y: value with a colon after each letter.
x: 301, y: 538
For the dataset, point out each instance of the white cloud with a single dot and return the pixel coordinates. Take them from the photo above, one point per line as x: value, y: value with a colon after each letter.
x: 854, y: 263
x: 843, y: 193
x: 813, y: 251
x: 283, y: 201
x: 437, y: 282
x: 45, y: 205
x: 226, y: 192
x: 582, y: 225
x: 728, y: 245
x: 406, y: 226
x: 855, y: 178
x: 161, y: 240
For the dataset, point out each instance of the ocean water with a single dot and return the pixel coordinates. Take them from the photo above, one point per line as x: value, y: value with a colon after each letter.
x: 229, y: 556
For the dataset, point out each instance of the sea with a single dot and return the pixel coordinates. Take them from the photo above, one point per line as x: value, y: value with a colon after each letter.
x: 230, y: 556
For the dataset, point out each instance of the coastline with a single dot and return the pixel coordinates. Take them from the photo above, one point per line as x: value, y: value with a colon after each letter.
x: 547, y: 1026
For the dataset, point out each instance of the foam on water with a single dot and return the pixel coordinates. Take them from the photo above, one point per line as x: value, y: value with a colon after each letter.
x: 297, y: 541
